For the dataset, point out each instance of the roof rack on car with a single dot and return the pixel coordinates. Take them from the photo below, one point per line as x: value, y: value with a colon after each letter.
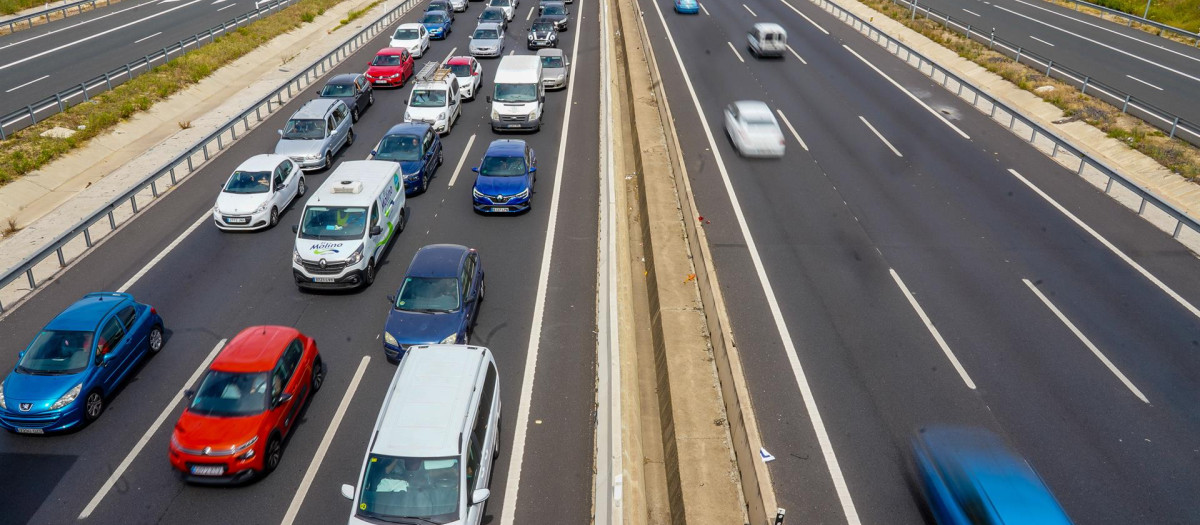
x: 433, y: 72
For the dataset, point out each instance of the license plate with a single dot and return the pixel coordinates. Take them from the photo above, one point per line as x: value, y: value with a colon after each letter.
x: 208, y: 470
x: 30, y: 431
x: 514, y: 125
x: 499, y: 208
x: 381, y: 82
x: 322, y: 279
x: 237, y: 220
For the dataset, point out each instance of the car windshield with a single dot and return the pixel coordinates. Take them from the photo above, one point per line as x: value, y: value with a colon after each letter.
x: 759, y: 121
x: 486, y: 34
x: 403, y: 487
x: 386, y: 60
x: 542, y: 26
x: 499, y: 3
x: 248, y: 182
x: 399, y: 148
x: 433, y: 19
x: 554, y: 10
x: 333, y: 223
x: 428, y: 294
x: 406, y: 34
x: 304, y: 129
x: 461, y: 70
x: 502, y: 166
x: 338, y: 90
x: 428, y: 98
x: 516, y: 93
x: 492, y: 14
x: 57, y: 352
x: 552, y: 62
x: 230, y: 394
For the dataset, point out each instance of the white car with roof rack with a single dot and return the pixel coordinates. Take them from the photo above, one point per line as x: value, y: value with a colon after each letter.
x: 435, y: 98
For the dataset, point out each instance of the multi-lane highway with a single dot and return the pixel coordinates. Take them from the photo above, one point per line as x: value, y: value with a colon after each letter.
x: 208, y: 285
x: 925, y: 270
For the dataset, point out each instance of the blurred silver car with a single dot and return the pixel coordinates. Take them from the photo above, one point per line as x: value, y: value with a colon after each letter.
x: 315, y: 133
x: 556, y: 68
x: 487, y: 41
x: 753, y: 129
x: 458, y: 5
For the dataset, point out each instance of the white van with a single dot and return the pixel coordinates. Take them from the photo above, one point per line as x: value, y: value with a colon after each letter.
x: 435, y: 98
x: 347, y: 224
x: 767, y: 40
x: 517, y: 93
x: 431, y: 453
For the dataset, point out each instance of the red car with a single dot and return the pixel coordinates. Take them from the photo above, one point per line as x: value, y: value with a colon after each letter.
x: 246, y: 404
x: 391, y: 66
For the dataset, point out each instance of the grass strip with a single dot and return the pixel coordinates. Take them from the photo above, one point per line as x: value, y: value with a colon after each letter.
x: 27, y: 150
x: 355, y: 14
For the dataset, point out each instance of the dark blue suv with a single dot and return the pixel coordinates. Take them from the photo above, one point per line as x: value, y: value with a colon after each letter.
x: 506, y: 177
x: 438, y: 300
x: 418, y: 150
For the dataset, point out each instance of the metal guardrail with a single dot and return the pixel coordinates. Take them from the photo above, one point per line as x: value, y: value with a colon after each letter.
x: 70, y: 245
x: 1130, y: 19
x: 15, y: 24
x: 59, y: 102
x: 1174, y: 125
x: 1059, y: 148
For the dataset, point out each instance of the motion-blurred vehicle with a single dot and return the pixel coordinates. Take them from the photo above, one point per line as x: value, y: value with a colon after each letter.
x: 438, y: 23
x: 970, y: 477
x: 556, y: 12
x: 439, y: 5
x: 495, y: 15
x: 391, y: 67
x: 413, y: 37
x: 315, y: 133
x: 257, y: 192
x: 542, y: 33
x: 556, y: 68
x: 458, y: 5
x: 438, y: 300
x: 509, y: 7
x: 418, y: 150
x: 506, y: 177
x: 65, y: 376
x: 687, y: 7
x: 352, y: 88
x: 487, y: 40
x: 752, y: 128
x: 469, y: 73
x: 248, y: 402
x: 434, y: 98
x: 767, y: 40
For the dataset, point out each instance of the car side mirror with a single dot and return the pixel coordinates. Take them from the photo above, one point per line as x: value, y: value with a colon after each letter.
x: 475, y: 169
x: 532, y: 169
x: 489, y: 99
x: 280, y: 131
x: 21, y: 355
x: 542, y: 99
x: 391, y: 299
x: 374, y: 153
x: 295, y: 228
x: 348, y: 491
x: 480, y: 496
x: 189, y: 393
x: 283, y: 398
x: 376, y: 230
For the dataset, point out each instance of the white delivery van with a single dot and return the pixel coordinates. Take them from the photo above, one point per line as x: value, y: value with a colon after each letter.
x: 347, y: 224
x: 517, y: 93
x: 767, y: 40
x: 430, y: 456
x: 435, y: 98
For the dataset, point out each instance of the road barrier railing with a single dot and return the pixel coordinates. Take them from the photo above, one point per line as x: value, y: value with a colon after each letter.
x: 27, y: 21
x: 27, y: 275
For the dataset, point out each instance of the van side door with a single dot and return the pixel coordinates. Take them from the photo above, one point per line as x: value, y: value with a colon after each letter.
x: 484, y: 443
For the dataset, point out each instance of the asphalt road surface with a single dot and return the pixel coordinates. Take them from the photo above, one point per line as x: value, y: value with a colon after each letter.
x: 213, y: 284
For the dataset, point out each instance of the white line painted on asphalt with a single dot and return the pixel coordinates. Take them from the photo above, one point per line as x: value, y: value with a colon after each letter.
x: 323, y: 448
x: 137, y: 447
x: 702, y: 8
x: 140, y: 40
x: 226, y: 7
x: 752, y: 13
x: 880, y: 135
x: 735, y: 52
x: 1087, y: 342
x: 85, y: 39
x: 937, y: 336
x: 43, y: 77
x: 837, y: 477
x: 72, y: 26
x: 811, y: 21
x: 970, y: 11
x: 1042, y: 41
x: 531, y: 8
x: 1118, y: 33
x: 797, y: 55
x: 1111, y: 247
x: 510, y: 53
x: 448, y: 55
x: 204, y: 217
x: 461, y: 160
x: 517, y: 459
x: 1144, y: 82
x: 939, y: 116
x: 788, y: 123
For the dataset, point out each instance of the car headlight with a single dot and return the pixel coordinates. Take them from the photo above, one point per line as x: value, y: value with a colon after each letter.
x: 238, y: 449
x: 312, y: 156
x: 553, y: 36
x: 407, y: 116
x: 67, y: 398
x: 296, y: 256
x: 524, y: 193
x: 394, y: 76
x: 449, y: 340
x: 2, y: 405
x: 261, y: 207
x: 530, y: 36
x: 533, y: 114
x: 441, y: 115
x: 387, y: 338
x: 477, y: 193
x: 495, y: 115
x: 356, y: 256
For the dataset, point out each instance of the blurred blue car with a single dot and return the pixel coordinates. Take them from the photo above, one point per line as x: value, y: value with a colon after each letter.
x: 969, y: 476
x: 437, y: 23
x: 506, y: 177
x: 64, y: 376
x: 417, y: 148
x: 687, y: 7
x: 438, y: 300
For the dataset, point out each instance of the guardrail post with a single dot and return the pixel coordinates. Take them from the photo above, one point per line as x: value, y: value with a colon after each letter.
x: 1018, y: 59
x: 992, y: 40
x: 173, y: 181
x: 85, y: 93
x: 205, y: 148
x: 1173, y: 126
x: 32, y: 281
x: 1126, y: 106
x: 87, y: 236
x: 133, y: 201
x: 914, y: 10
x: 1178, y: 226
x: 61, y: 262
x: 220, y: 146
x: 1049, y: 67
x: 112, y: 222
x: 32, y: 117
x: 1086, y: 79
x: 1054, y: 152
x: 154, y: 188
x: 108, y: 82
x: 1142, y: 206
x: 968, y: 31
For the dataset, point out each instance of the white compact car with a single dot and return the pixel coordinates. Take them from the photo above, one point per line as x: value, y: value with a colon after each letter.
x: 509, y: 7
x: 413, y: 37
x: 753, y: 129
x: 458, y: 5
x: 257, y: 192
x: 469, y: 73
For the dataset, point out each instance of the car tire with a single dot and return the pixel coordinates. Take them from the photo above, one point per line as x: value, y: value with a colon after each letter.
x: 440, y: 155
x: 272, y: 455
x: 93, y: 406
x: 354, y: 114
x: 318, y: 377
x: 301, y: 187
x: 274, y: 217
x: 424, y: 184
x: 369, y: 274
x: 482, y: 287
x: 328, y: 161
x: 371, y: 98
x: 155, y: 339
x: 350, y: 139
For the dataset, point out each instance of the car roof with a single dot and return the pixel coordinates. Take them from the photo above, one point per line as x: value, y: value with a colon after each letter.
x: 408, y: 128
x: 543, y: 20
x: 373, y: 175
x: 436, y: 12
x: 550, y: 52
x: 553, y: 3
x: 426, y: 412
x: 263, y: 162
x: 769, y: 26
x: 391, y: 51
x: 506, y: 148
x: 753, y: 107
x: 315, y: 108
x: 462, y: 60
x: 437, y: 260
x: 492, y: 7
x: 489, y: 25
x: 255, y: 349
x: 86, y: 313
x: 344, y: 78
x: 409, y: 25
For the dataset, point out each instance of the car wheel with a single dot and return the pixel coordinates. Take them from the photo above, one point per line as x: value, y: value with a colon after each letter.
x: 482, y: 288
x: 369, y: 274
x: 301, y: 187
x: 318, y: 377
x: 274, y: 453
x: 371, y: 98
x: 350, y: 139
x: 424, y: 183
x: 274, y: 216
x: 439, y: 157
x: 93, y: 406
x: 156, y: 339
x: 328, y: 161
x: 354, y: 114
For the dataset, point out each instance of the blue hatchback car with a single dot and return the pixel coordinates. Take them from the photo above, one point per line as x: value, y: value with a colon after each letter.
x: 417, y: 148
x: 687, y: 7
x: 437, y: 23
x: 506, y: 177
x: 63, y: 378
x: 438, y: 300
x: 969, y: 476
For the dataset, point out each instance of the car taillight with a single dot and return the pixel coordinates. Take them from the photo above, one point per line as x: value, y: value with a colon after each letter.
x: 153, y: 311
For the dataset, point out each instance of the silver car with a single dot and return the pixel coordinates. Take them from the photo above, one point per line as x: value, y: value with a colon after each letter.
x: 315, y: 133
x: 556, y: 68
x: 487, y: 41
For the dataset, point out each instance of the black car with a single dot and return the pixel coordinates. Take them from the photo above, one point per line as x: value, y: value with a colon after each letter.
x: 441, y: 5
x: 542, y: 33
x: 494, y: 15
x: 555, y: 11
x: 352, y: 88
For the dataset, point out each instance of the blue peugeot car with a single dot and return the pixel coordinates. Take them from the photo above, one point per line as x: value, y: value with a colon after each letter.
x: 418, y: 150
x: 437, y: 23
x: 506, y: 177
x: 63, y: 378
x: 438, y: 300
x: 969, y: 476
x: 687, y: 7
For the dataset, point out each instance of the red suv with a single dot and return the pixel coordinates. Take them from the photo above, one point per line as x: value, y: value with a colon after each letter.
x: 392, y: 66
x: 246, y: 404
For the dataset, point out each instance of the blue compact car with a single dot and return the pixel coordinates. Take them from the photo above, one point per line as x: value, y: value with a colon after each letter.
x: 969, y: 476
x: 437, y: 23
x: 417, y: 148
x: 506, y: 177
x: 687, y: 7
x: 438, y: 300
x: 63, y: 378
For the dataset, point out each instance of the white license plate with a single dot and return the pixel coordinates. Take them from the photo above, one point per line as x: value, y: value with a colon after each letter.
x: 237, y: 220
x: 323, y: 279
x: 499, y: 208
x: 514, y: 125
x: 381, y: 82
x: 208, y: 470
x: 30, y: 431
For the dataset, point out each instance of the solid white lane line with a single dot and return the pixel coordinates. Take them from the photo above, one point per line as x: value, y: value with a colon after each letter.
x: 788, y: 123
x: 937, y: 336
x: 531, y: 8
x: 702, y: 8
x: 323, y: 448
x: 970, y: 11
x: 837, y: 477
x: 137, y: 447
x: 226, y: 7
x: 448, y: 55
x: 735, y: 52
x: 516, y: 460
x: 931, y: 111
x: 461, y: 160
x: 1118, y: 33
x: 72, y: 26
x: 1111, y: 247
x: 1144, y: 82
x: 797, y: 55
x: 140, y: 40
x: 811, y: 21
x: 1087, y: 342
x: 752, y: 13
x: 880, y: 135
x: 44, y: 77
x: 1042, y: 41
x: 205, y: 217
